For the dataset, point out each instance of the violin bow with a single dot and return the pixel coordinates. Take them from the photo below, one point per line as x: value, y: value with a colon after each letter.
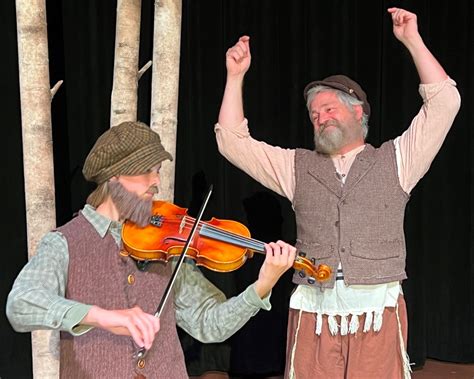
x: 141, y: 353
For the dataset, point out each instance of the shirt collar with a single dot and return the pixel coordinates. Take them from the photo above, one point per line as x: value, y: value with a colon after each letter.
x: 100, y: 223
x: 349, y: 154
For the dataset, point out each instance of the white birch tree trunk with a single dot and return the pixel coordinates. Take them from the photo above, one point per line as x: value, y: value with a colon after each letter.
x: 124, y: 100
x: 35, y: 97
x: 165, y: 83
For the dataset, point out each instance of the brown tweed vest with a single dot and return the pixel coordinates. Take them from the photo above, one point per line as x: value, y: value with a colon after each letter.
x: 359, y: 224
x: 99, y: 275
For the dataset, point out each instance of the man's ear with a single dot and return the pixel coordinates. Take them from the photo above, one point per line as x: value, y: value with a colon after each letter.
x: 359, y: 112
x: 113, y: 179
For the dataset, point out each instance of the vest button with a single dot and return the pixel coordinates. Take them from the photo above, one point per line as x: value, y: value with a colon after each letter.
x: 336, y: 224
x: 343, y: 249
x: 313, y: 260
x: 311, y: 280
x: 141, y: 363
x: 301, y: 274
x: 301, y: 254
x: 131, y: 279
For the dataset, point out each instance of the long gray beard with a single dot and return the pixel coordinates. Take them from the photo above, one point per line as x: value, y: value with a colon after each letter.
x: 329, y: 143
x: 129, y: 205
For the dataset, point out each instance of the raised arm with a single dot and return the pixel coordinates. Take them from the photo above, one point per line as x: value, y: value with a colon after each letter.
x: 237, y: 63
x: 419, y: 144
x: 405, y: 29
x: 272, y: 166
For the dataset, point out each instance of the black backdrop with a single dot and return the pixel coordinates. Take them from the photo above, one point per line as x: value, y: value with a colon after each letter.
x: 292, y: 43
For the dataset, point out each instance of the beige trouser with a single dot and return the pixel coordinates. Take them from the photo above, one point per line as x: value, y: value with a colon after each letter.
x: 353, y: 356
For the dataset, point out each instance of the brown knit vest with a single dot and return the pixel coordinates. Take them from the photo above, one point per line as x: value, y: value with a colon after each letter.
x: 359, y: 224
x: 99, y: 275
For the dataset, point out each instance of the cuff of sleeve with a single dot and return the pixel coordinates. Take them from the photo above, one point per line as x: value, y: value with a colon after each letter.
x: 55, y: 315
x: 73, y: 317
x: 252, y: 299
x: 241, y: 130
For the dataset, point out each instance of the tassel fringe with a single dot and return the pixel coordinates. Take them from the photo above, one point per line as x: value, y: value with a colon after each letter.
x: 404, y: 355
x: 354, y: 325
x: 333, y: 327
x: 319, y: 323
x: 344, y: 325
x: 368, y: 321
x: 378, y: 321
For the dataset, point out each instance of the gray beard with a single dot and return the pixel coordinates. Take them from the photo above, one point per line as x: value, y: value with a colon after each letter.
x: 129, y: 205
x: 343, y: 134
x: 329, y: 143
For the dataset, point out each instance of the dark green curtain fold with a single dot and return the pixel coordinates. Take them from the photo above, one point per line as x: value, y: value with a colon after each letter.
x: 292, y: 43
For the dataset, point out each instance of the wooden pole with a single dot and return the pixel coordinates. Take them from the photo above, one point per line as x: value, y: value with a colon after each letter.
x: 124, y: 100
x: 165, y: 83
x: 35, y: 97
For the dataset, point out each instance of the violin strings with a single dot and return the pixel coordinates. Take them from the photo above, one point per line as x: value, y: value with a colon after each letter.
x: 223, y: 234
x: 253, y: 243
x: 248, y: 242
x: 217, y: 233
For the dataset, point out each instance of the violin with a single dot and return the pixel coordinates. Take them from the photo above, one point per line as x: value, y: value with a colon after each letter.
x: 219, y: 245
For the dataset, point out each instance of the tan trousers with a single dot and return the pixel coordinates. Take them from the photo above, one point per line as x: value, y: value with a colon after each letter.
x: 353, y: 356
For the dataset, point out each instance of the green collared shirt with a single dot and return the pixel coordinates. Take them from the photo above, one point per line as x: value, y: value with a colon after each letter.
x: 37, y: 300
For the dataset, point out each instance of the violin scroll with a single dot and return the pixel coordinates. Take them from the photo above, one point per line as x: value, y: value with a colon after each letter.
x: 320, y: 273
x: 323, y: 272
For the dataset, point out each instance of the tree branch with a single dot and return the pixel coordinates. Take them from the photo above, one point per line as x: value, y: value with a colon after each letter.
x: 144, y: 69
x: 55, y: 88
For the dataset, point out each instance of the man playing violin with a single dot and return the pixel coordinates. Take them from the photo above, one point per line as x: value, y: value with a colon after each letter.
x: 81, y: 283
x: 349, y: 200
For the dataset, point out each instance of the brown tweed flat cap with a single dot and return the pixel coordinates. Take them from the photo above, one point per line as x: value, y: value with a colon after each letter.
x: 130, y: 148
x: 344, y: 84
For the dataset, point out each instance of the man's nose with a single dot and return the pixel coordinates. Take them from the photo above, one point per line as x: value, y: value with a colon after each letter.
x: 323, y: 117
x: 156, y: 180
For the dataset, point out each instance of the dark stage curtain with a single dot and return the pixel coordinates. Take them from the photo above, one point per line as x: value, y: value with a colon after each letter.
x: 292, y: 44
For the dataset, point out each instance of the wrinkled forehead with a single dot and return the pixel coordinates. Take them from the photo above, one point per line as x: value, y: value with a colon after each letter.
x: 324, y: 99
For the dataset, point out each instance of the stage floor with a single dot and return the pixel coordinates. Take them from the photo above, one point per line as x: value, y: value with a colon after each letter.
x: 431, y: 370
x: 444, y: 370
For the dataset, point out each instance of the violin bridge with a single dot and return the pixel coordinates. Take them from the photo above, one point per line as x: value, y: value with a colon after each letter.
x: 182, y: 225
